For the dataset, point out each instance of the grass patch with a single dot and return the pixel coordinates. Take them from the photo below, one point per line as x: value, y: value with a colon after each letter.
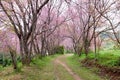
x: 40, y: 69
x: 115, y: 52
x: 19, y: 67
x: 1, y: 68
x: 110, y: 58
x: 84, y: 73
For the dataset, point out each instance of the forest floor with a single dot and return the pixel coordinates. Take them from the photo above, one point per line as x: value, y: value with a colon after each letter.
x: 60, y: 67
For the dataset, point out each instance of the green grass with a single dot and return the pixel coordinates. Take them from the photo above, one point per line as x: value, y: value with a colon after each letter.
x: 115, y: 52
x: 40, y: 69
x: 110, y: 58
x: 45, y: 69
x: 84, y: 73
x: 1, y: 68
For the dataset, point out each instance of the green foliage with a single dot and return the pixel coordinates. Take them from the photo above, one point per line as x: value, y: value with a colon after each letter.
x: 59, y: 50
x: 18, y: 58
x: 116, y: 47
x: 19, y: 67
x: 83, y: 51
x: 115, y: 52
x: 68, y: 51
x: 5, y: 59
x: 6, y: 62
x: 109, y: 58
x: 1, y: 58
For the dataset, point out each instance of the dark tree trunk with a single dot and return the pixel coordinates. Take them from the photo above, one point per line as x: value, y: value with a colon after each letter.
x: 86, y: 48
x: 25, y: 53
x: 13, y: 56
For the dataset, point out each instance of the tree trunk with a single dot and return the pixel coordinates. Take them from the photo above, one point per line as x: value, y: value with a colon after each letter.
x: 14, y: 61
x: 25, y: 53
x: 86, y: 49
x: 13, y: 56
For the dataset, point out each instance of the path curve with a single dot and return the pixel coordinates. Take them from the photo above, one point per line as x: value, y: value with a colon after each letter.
x: 59, y: 59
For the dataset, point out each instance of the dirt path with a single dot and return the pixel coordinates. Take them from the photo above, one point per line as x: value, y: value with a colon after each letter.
x: 61, y: 61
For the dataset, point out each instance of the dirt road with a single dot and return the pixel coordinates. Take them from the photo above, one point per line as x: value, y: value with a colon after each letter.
x: 61, y: 60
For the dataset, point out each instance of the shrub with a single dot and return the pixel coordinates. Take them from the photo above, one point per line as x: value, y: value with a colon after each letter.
x: 69, y: 51
x: 116, y: 47
x: 1, y: 59
x: 19, y: 59
x: 118, y: 61
x: 58, y: 50
x: 5, y: 62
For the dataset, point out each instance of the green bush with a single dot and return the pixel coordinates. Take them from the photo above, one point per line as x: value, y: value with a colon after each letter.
x: 116, y: 47
x: 107, y: 59
x: 1, y: 59
x: 19, y: 59
x: 5, y: 63
x: 59, y: 50
x: 19, y: 67
x: 5, y: 60
x: 118, y: 62
x: 68, y: 51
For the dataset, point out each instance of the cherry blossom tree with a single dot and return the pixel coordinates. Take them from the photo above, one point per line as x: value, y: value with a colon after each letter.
x: 23, y: 15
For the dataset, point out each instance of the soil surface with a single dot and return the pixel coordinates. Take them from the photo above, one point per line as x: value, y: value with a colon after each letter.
x: 60, y: 60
